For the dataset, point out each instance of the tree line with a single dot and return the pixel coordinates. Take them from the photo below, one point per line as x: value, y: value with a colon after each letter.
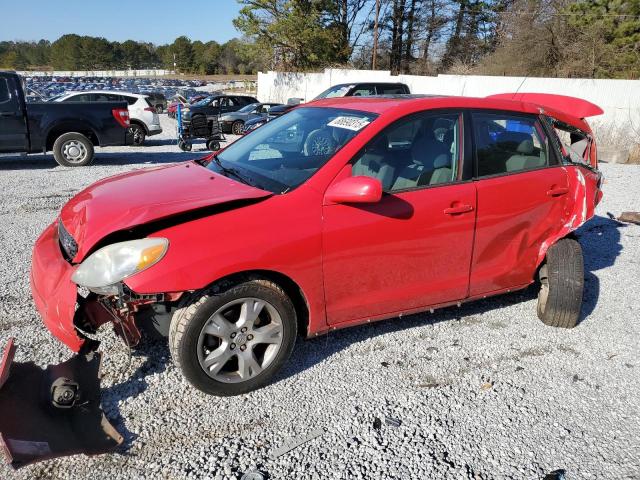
x: 570, y: 38
x: 75, y: 52
x: 565, y: 38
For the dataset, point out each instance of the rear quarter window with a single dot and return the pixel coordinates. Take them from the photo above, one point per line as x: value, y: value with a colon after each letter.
x: 130, y: 100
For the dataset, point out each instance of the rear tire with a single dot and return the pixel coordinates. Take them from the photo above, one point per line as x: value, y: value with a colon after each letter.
x: 73, y: 150
x: 562, y: 285
x: 159, y: 109
x: 208, y: 323
x: 137, y: 134
x: 213, y: 145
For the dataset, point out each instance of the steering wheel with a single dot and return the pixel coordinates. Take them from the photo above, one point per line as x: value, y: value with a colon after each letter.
x: 319, y: 142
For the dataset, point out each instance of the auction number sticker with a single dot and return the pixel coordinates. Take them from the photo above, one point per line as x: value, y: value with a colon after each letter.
x: 350, y: 123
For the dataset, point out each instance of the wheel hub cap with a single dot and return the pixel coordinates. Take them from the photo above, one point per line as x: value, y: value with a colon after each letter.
x: 74, y: 151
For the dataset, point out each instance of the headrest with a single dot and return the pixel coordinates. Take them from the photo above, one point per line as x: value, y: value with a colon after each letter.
x: 512, y: 139
x: 442, y: 161
x: 526, y: 147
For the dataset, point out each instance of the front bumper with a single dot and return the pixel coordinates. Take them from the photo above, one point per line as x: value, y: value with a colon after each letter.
x: 53, y: 292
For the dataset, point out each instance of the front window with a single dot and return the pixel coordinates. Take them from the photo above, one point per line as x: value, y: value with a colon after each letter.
x: 204, y: 102
x: 419, y: 151
x: 287, y: 151
x: 248, y: 108
x: 336, y: 91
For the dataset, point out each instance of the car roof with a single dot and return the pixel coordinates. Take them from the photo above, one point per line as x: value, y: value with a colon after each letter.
x: 393, y: 105
x: 106, y: 92
x: 348, y: 84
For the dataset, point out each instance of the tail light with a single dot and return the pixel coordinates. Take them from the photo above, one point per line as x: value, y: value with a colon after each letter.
x: 150, y: 109
x: 122, y: 116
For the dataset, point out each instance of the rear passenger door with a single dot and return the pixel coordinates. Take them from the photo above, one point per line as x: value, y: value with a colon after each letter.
x: 413, y: 248
x: 522, y: 191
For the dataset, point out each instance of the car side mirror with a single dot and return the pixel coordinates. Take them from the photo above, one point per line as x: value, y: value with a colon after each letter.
x: 358, y: 189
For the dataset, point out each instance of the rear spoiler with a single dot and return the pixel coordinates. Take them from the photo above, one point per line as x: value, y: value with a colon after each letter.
x: 576, y: 107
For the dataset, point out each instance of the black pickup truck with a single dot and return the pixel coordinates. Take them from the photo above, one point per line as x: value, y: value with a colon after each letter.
x: 70, y: 129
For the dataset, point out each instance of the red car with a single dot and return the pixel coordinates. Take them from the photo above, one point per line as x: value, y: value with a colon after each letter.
x: 342, y: 212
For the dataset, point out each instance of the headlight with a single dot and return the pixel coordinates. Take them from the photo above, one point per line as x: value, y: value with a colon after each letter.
x: 102, y: 270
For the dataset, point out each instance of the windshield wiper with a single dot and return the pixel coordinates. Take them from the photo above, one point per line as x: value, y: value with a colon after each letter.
x: 234, y: 172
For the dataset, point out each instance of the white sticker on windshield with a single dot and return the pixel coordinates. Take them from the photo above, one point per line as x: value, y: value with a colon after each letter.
x: 350, y: 123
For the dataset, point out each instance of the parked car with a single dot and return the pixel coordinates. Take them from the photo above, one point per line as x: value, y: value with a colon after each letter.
x: 274, y: 112
x: 157, y: 101
x: 71, y: 131
x: 364, y: 90
x: 180, y: 100
x: 342, y: 212
x: 234, y: 122
x: 144, y: 121
x: 211, y: 108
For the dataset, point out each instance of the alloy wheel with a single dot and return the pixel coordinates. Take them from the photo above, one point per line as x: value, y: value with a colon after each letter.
x: 240, y: 340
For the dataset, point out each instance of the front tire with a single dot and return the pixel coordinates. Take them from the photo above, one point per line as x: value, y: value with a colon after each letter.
x: 233, y: 337
x: 236, y: 127
x: 73, y: 150
x: 562, y: 285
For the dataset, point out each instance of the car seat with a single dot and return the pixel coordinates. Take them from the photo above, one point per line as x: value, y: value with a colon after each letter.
x: 526, y: 158
x: 373, y: 163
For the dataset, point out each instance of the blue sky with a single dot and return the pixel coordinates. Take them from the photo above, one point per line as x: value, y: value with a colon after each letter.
x: 157, y: 21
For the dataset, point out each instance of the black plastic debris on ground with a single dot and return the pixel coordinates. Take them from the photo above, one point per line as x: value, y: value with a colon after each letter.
x: 52, y: 412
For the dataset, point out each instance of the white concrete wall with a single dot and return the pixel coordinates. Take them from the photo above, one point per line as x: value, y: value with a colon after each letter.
x: 620, y: 99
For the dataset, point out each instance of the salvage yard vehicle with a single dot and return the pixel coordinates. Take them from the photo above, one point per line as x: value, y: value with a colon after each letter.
x: 143, y: 118
x: 341, y: 212
x: 274, y: 112
x: 233, y: 122
x: 364, y: 89
x: 71, y: 131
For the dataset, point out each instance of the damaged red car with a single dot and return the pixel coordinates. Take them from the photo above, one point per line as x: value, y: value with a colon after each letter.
x: 341, y: 212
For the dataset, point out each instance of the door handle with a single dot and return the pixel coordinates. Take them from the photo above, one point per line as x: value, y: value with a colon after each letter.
x: 458, y: 209
x: 557, y: 191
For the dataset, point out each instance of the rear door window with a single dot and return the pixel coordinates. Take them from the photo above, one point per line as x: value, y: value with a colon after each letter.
x: 508, y: 144
x: 390, y: 89
x: 5, y: 96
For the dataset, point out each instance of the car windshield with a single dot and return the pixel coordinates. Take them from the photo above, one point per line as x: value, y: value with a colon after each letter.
x: 205, y: 101
x: 287, y: 151
x: 248, y: 108
x: 336, y: 91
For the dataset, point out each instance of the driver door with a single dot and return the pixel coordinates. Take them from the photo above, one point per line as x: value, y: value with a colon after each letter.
x: 413, y: 248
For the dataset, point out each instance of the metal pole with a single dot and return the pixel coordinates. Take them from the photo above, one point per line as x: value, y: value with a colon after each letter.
x: 375, y: 37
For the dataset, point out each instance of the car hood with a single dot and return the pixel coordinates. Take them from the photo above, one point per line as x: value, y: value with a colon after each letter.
x: 136, y: 198
x: 233, y: 116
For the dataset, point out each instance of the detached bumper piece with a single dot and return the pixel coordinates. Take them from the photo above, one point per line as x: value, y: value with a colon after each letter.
x: 53, y: 412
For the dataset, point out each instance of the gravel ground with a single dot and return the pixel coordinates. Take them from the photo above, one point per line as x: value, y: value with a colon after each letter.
x: 481, y: 391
